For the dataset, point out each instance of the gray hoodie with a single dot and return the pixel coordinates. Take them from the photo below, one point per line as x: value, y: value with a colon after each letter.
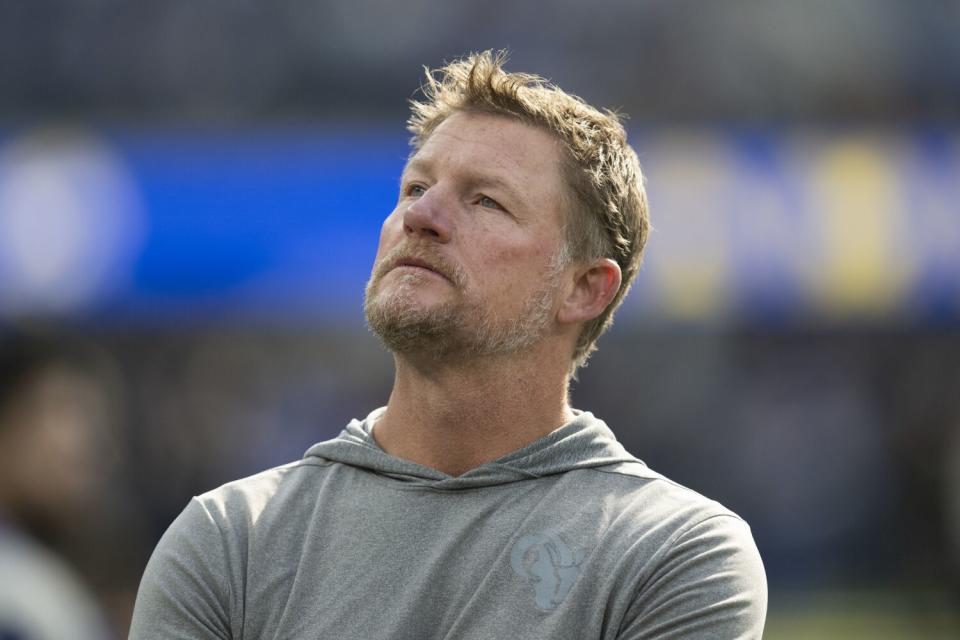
x: 569, y: 537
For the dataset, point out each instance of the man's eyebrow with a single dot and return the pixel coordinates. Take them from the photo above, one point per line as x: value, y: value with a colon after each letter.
x: 481, y: 181
x: 473, y: 179
x: 415, y: 164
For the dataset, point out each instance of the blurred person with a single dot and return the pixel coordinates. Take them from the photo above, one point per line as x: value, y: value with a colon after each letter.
x: 477, y: 503
x: 51, y: 410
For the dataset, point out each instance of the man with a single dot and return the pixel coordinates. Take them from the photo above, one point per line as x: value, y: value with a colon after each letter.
x: 477, y: 503
x: 54, y: 415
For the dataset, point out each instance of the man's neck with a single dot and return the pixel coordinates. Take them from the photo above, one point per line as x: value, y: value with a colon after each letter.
x: 456, y: 416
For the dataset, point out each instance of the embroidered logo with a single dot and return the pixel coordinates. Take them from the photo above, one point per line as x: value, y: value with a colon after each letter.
x: 550, y: 563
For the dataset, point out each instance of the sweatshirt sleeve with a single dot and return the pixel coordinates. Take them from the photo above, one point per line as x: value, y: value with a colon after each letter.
x: 709, y: 584
x: 184, y: 593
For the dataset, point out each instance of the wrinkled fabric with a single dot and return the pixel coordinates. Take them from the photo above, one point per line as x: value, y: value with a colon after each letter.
x: 570, y: 537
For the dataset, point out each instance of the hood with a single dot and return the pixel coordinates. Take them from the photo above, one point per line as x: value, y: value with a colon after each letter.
x: 582, y: 443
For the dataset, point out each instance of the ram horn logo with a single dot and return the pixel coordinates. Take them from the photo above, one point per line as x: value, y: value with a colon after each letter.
x: 550, y: 563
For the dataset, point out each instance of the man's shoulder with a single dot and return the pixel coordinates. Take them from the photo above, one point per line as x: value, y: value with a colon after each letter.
x: 672, y: 535
x: 646, y: 496
x: 247, y: 497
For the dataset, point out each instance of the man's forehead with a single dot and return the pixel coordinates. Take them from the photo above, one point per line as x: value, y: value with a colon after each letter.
x: 489, y: 146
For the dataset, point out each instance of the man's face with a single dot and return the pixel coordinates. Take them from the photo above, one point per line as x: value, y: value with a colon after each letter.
x: 469, y: 261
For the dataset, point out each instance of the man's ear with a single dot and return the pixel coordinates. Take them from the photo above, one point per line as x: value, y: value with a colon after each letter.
x: 594, y: 287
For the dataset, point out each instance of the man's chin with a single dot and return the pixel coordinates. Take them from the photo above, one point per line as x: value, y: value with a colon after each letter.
x: 416, y: 296
x: 412, y: 335
x: 404, y: 322
x: 407, y: 325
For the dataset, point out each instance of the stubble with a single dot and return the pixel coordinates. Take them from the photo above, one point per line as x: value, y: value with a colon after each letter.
x: 458, y: 327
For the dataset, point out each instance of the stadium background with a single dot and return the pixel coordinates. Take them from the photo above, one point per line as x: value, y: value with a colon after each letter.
x: 195, y: 191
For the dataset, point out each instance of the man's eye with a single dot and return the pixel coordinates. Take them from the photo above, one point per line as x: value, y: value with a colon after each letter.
x: 416, y: 190
x: 489, y: 203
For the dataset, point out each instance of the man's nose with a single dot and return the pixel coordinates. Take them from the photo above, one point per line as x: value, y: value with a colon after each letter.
x: 428, y: 216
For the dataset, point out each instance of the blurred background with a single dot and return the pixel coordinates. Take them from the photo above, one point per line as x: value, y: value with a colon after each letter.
x: 190, y: 200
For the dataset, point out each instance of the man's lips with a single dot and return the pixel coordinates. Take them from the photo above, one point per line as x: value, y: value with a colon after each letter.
x: 417, y: 263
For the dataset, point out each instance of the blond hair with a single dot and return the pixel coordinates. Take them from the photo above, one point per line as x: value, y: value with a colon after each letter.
x: 608, y: 215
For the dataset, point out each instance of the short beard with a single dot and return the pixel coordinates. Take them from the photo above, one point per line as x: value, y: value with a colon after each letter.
x: 460, y: 329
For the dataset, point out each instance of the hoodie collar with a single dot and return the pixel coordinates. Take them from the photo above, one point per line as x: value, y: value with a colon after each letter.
x: 582, y: 443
